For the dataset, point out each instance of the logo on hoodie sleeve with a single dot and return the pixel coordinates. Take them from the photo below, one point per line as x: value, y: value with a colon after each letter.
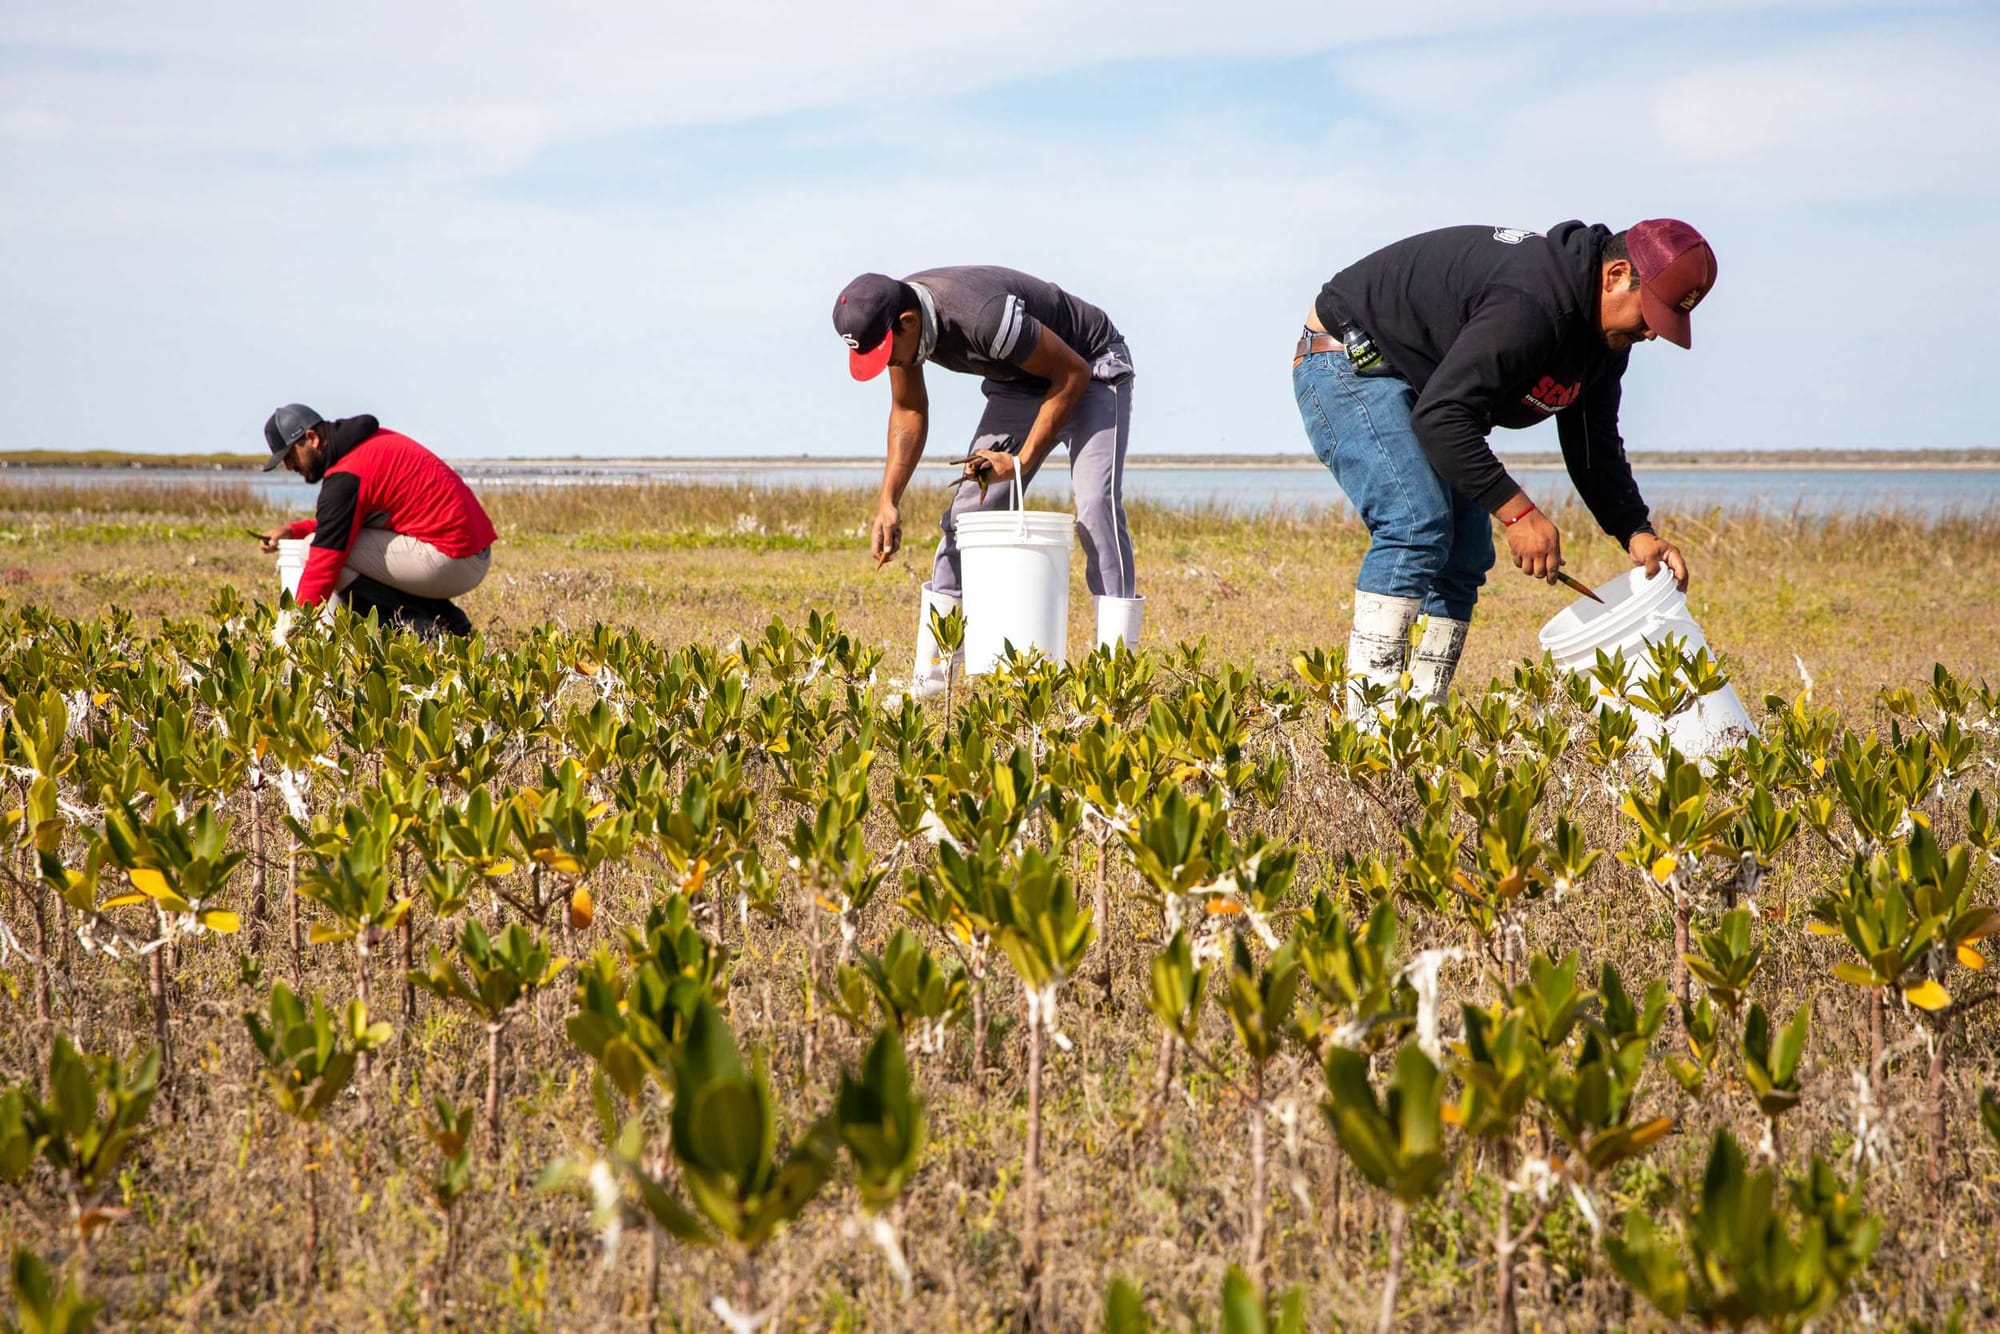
x: 1513, y: 235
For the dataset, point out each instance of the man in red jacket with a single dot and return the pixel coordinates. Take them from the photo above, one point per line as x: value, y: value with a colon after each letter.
x: 396, y: 530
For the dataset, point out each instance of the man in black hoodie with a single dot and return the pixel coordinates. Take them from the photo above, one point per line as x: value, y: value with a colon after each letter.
x: 1411, y: 356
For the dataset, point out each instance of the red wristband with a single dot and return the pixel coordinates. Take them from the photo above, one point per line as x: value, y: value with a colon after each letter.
x: 1509, y: 523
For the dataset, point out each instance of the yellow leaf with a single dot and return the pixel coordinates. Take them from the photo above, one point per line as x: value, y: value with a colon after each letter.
x: 826, y: 903
x: 696, y: 877
x: 1451, y: 1115
x: 558, y: 860
x: 92, y: 1220
x: 324, y: 932
x: 150, y: 882
x: 1821, y: 929
x: 1663, y: 867
x: 1222, y: 907
x: 125, y: 900
x: 1183, y: 772
x: 493, y: 871
x: 221, y: 921
x: 597, y: 810
x: 1927, y: 995
x: 581, y: 909
x: 1971, y: 958
x: 1652, y: 1132
x: 100, y: 697
x: 585, y: 667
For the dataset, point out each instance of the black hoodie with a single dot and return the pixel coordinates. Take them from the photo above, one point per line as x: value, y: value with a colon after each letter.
x: 1497, y: 326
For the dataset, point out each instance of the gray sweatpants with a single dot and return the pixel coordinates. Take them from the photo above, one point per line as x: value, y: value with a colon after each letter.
x: 412, y: 565
x: 1095, y: 435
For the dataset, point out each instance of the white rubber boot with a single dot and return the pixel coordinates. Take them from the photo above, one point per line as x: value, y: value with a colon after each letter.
x: 1378, y: 649
x: 932, y: 672
x: 1436, y: 660
x: 1120, y: 619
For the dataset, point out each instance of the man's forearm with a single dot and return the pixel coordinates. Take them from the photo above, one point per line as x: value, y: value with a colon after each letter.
x: 907, y: 432
x: 1055, y: 410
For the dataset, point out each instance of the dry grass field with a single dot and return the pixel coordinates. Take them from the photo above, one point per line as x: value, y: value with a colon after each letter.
x: 1864, y: 601
x: 1141, y: 1177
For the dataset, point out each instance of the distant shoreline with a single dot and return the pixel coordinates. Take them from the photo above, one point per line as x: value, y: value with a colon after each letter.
x: 1790, y: 460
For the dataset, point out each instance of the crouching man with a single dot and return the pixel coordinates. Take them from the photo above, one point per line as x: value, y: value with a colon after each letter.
x: 397, y: 531
x: 1413, y: 354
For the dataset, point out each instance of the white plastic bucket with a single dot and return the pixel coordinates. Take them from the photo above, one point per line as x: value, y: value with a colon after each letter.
x: 1638, y: 611
x: 292, y: 562
x: 1014, y: 569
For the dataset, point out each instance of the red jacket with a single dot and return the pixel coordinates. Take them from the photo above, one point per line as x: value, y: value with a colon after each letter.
x: 371, y: 472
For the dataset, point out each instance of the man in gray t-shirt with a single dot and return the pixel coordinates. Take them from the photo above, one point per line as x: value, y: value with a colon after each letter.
x: 1054, y: 370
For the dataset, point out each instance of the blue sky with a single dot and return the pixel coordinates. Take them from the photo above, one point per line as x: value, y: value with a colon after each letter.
x: 519, y: 229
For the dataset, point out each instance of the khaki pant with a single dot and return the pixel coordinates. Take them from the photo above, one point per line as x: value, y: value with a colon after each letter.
x: 414, y: 566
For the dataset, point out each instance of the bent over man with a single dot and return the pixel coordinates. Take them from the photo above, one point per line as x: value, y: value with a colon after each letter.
x: 396, y: 529
x: 1054, y: 370
x: 1411, y: 356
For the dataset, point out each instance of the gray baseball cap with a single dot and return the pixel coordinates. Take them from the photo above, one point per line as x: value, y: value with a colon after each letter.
x: 287, y: 426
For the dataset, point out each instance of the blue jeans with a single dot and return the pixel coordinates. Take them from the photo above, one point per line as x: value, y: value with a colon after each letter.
x: 1426, y: 540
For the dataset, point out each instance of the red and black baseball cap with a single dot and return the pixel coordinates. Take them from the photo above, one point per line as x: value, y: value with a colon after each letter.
x: 865, y: 316
x: 1676, y: 268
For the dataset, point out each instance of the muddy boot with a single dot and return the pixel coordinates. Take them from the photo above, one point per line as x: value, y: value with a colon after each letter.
x: 364, y: 595
x: 1378, y: 651
x: 433, y: 618
x: 450, y: 618
x: 1437, y: 657
x: 1118, y: 622
x: 933, y: 670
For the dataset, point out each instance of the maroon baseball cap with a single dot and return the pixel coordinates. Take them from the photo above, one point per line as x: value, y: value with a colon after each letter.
x: 865, y: 318
x: 1676, y: 268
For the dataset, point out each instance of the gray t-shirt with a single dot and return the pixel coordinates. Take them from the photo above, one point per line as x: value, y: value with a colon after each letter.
x: 984, y: 320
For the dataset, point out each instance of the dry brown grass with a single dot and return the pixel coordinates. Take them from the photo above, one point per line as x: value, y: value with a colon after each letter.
x: 1862, y: 600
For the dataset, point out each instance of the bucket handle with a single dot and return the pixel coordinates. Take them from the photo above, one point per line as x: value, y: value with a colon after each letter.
x: 1015, y: 502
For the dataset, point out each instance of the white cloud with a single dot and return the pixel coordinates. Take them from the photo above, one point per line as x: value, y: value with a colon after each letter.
x: 190, y: 252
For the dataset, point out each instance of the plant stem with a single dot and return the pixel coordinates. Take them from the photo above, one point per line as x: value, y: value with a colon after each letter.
x: 746, y: 1285
x: 493, y: 1032
x: 978, y: 1037
x: 292, y: 903
x: 1503, y: 1250
x: 1254, y: 1224
x: 1683, y: 912
x: 156, y: 989
x: 812, y: 978
x: 407, y: 930
x: 652, y: 1311
x: 33, y: 893
x: 308, y: 1262
x: 259, y: 872
x: 1101, y: 913
x: 1163, y: 1065
x: 1385, y: 1321
x: 1031, y: 1175
x: 1934, y: 1090
x: 1875, y: 1009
